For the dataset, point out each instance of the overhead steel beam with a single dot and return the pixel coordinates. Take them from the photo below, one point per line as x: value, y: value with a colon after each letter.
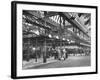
x: 37, y: 24
x: 50, y: 14
x: 74, y: 22
x: 54, y: 24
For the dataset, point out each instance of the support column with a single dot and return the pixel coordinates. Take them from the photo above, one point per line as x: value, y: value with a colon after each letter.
x: 60, y: 29
x: 44, y: 52
x: 36, y: 51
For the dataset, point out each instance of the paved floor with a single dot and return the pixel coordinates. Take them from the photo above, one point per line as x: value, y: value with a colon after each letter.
x: 72, y: 61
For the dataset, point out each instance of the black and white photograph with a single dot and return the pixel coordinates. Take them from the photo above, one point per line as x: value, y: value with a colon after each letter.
x: 54, y: 39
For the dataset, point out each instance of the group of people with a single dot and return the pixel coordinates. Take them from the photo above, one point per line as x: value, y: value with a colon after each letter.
x: 60, y: 53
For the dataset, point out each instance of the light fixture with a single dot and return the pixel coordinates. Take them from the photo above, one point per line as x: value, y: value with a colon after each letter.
x: 67, y: 39
x: 72, y: 41
x: 63, y: 38
x: 57, y: 37
x: 50, y: 35
x: 33, y: 48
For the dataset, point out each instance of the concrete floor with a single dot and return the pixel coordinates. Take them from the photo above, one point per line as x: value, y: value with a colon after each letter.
x: 72, y: 61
